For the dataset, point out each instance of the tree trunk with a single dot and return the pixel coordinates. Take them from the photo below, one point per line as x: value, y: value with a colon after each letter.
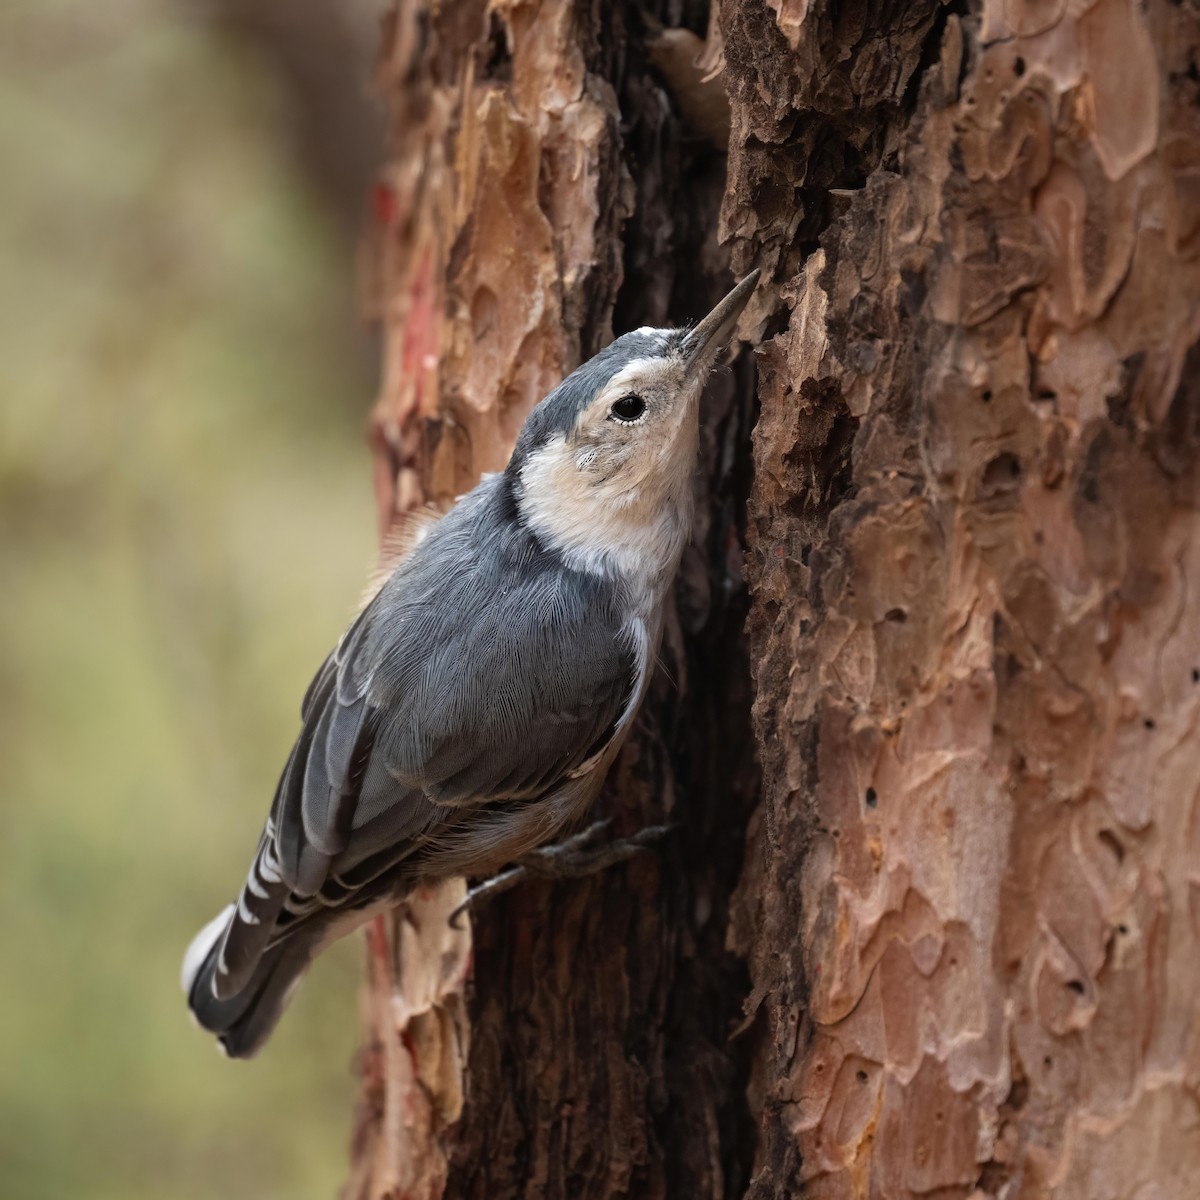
x: 946, y: 944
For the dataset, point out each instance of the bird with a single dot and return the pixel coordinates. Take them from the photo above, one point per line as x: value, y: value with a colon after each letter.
x: 468, y: 716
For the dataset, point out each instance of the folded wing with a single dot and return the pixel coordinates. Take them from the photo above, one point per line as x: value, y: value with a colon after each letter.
x: 480, y: 677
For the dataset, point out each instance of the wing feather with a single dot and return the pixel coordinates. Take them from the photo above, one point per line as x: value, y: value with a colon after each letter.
x: 479, y: 676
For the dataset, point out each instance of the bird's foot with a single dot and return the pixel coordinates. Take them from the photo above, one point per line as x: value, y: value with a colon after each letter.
x: 576, y: 856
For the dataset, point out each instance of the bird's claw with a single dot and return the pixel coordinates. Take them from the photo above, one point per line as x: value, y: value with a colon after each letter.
x: 571, y: 858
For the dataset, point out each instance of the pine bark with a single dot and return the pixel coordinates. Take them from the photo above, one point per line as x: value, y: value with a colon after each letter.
x: 945, y: 940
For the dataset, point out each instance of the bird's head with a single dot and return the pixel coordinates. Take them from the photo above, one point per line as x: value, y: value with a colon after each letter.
x: 602, y: 470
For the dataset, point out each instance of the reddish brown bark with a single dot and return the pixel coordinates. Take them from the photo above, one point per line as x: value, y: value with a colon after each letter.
x: 961, y: 957
x: 975, y: 640
x: 542, y: 193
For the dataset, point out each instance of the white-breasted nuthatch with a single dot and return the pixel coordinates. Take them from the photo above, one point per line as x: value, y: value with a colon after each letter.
x: 470, y: 713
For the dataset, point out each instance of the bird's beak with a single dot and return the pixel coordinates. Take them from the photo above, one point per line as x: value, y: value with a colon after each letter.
x: 711, y: 336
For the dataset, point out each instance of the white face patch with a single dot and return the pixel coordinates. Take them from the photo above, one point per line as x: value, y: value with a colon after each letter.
x: 614, y: 497
x: 635, y: 536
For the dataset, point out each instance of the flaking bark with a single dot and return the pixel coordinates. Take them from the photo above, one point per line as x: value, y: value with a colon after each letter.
x: 970, y: 909
x: 543, y: 193
x: 961, y: 959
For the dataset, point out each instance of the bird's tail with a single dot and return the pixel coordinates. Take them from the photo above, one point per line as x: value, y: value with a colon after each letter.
x: 244, y: 1021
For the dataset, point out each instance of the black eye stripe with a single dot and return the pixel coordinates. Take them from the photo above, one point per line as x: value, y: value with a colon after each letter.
x: 628, y: 408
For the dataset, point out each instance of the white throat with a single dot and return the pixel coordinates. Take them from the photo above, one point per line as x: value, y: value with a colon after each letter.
x: 633, y: 538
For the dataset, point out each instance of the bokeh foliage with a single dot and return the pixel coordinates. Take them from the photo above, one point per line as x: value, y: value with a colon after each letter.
x: 185, y: 519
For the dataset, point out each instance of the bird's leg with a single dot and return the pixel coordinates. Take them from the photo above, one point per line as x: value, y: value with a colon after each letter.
x: 583, y: 855
x: 571, y: 858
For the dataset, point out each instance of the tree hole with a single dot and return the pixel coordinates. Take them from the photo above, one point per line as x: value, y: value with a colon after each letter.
x: 872, y: 797
x: 1000, y: 476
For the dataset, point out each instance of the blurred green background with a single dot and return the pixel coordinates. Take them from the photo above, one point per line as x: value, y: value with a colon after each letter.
x: 185, y: 526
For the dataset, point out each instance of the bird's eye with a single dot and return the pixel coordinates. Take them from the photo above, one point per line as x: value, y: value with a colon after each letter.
x: 628, y: 408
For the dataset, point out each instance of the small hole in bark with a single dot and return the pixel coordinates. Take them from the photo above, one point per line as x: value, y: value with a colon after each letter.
x: 1018, y: 66
x: 1112, y: 843
x: 1047, y: 1062
x: 872, y: 798
x: 986, y: 395
x: 861, y: 1076
x: 1122, y: 929
x: 1149, y: 722
x: 1196, y: 674
x: 1076, y: 985
x: 1000, y: 476
x: 898, y: 615
x: 1047, y: 394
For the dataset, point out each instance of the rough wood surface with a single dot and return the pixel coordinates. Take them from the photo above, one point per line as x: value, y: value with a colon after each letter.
x: 962, y: 957
x: 971, y: 905
x: 545, y: 191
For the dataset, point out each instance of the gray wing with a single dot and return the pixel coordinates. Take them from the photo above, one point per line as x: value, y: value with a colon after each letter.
x: 501, y: 688
x: 483, y: 672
